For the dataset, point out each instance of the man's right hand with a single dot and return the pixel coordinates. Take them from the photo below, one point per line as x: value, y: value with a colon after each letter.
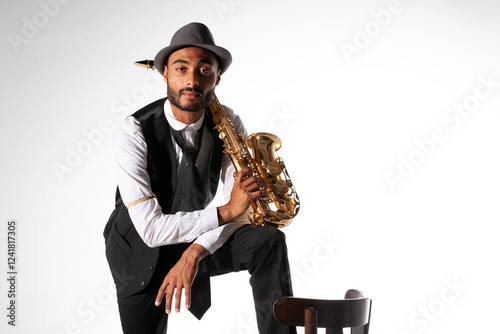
x: 246, y: 188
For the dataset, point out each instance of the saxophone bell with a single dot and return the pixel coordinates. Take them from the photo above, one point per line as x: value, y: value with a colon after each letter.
x: 282, y: 204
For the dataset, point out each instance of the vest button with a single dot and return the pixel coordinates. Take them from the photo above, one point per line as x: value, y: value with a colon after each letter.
x: 143, y: 283
x: 151, y: 267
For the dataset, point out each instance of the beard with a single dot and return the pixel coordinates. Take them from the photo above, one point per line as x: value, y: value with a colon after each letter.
x: 174, y: 98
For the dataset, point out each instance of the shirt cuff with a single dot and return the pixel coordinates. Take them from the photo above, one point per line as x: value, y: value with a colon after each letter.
x: 214, y: 239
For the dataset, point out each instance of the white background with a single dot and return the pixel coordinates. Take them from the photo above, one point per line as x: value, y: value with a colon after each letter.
x: 425, y: 249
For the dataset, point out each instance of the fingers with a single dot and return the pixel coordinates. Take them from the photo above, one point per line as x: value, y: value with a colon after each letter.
x: 168, y: 299
x: 161, y: 292
x: 254, y: 184
x: 251, y: 183
x: 178, y: 297
x: 187, y: 297
x: 243, y: 174
x: 255, y: 187
x: 168, y: 291
x: 178, y: 293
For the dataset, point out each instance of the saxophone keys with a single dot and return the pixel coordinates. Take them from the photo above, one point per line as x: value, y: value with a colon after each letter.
x: 281, y: 186
x: 274, y: 168
x: 288, y: 206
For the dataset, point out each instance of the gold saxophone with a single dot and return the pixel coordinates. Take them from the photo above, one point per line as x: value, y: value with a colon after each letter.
x: 282, y: 204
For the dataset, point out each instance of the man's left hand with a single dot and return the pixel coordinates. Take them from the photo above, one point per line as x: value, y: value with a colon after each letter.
x: 180, y: 277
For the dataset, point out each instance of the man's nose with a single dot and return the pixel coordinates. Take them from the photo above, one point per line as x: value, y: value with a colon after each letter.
x: 192, y: 79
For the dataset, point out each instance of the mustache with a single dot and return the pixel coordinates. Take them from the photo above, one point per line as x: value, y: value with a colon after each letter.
x: 191, y: 89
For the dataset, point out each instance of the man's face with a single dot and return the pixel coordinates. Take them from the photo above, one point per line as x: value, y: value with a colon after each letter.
x: 191, y: 75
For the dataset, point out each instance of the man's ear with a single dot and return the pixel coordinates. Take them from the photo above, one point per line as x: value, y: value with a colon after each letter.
x: 165, y: 76
x: 218, y: 78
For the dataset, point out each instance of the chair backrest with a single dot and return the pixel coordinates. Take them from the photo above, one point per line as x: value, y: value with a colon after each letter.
x: 354, y: 312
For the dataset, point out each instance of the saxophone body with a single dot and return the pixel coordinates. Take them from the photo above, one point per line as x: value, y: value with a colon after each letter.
x: 258, y: 152
x: 282, y: 204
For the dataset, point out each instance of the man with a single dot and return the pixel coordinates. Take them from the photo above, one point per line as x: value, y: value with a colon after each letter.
x: 162, y: 242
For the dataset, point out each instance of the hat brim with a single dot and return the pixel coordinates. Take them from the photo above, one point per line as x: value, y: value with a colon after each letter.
x: 223, y: 56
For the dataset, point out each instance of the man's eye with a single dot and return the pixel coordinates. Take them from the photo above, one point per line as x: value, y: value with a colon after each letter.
x: 205, y: 71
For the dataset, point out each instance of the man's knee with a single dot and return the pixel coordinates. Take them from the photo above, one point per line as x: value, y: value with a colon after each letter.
x: 266, y: 241
x: 272, y: 237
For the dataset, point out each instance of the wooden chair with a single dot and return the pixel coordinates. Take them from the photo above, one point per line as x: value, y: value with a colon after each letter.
x: 354, y: 311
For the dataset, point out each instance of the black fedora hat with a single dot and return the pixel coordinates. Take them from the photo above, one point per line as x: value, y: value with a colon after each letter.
x: 193, y: 34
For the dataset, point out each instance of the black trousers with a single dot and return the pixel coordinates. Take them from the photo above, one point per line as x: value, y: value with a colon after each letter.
x: 260, y: 250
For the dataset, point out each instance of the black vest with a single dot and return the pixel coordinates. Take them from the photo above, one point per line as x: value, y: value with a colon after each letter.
x: 131, y: 261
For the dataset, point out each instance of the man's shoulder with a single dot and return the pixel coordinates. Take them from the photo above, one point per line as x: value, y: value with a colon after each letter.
x: 230, y: 112
x: 153, y: 109
x: 235, y: 119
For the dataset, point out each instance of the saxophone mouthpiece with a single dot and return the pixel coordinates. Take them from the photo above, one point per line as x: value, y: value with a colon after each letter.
x: 148, y: 64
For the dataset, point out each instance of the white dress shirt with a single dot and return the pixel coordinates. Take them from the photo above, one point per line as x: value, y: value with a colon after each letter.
x: 154, y: 227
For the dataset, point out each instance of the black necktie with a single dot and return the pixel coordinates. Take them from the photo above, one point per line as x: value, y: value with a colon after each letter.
x: 200, y: 290
x: 193, y: 199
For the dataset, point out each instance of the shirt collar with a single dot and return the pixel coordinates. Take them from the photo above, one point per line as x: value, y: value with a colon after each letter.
x: 175, y: 123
